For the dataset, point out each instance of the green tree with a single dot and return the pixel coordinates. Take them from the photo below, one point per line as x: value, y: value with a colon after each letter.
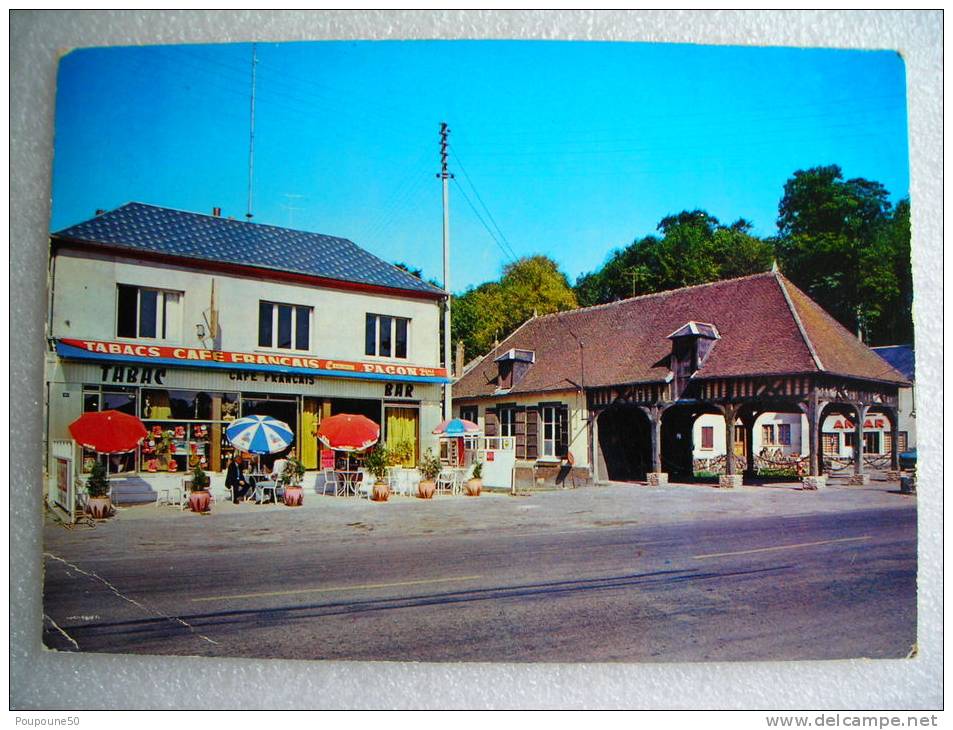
x: 493, y: 310
x: 842, y: 242
x: 694, y: 248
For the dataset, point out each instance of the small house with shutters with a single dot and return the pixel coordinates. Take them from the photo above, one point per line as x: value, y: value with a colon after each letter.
x: 615, y: 391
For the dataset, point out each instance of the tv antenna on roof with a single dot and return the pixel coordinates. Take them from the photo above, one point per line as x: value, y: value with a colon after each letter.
x: 251, y: 133
x: 292, y: 197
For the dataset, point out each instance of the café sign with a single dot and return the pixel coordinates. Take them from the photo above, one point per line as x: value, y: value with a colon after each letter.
x: 263, y: 362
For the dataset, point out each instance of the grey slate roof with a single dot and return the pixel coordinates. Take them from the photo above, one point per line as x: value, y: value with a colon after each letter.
x: 141, y: 227
x: 900, y: 357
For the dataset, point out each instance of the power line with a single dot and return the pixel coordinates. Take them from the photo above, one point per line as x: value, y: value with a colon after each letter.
x: 466, y: 197
x: 456, y: 156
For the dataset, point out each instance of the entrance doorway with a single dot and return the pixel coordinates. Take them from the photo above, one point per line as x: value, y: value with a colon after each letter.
x: 626, y: 443
x: 400, y: 428
x: 677, y: 443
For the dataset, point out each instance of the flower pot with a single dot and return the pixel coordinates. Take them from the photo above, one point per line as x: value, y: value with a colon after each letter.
x: 199, y: 501
x: 380, y: 492
x: 99, y: 507
x: 426, y: 489
x: 473, y: 487
x: 294, y: 496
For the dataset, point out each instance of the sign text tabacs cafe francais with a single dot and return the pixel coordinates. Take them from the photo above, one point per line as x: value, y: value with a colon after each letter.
x: 196, y: 356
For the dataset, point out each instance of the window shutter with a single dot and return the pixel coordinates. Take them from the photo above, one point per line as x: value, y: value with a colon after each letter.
x: 562, y: 431
x: 532, y: 432
x: 520, y: 433
x: 491, y: 423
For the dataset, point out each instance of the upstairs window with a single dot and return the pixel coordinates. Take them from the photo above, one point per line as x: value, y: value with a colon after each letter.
x: 767, y: 435
x: 386, y: 336
x: 284, y: 326
x: 143, y: 313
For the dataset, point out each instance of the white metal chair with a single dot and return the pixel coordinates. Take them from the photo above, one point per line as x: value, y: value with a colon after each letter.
x: 446, y: 482
x: 263, y: 488
x: 173, y: 493
x: 338, y: 485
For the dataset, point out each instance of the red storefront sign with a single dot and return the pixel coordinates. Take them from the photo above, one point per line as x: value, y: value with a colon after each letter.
x: 196, y: 356
x: 870, y: 423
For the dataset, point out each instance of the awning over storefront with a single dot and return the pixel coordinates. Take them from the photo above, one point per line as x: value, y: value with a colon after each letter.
x: 190, y: 357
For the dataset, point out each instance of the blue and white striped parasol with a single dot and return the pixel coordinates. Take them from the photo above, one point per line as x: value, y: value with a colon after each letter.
x: 259, y: 435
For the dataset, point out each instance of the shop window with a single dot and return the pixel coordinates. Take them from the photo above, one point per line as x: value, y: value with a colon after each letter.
x: 177, y: 447
x: 148, y: 313
x: 386, y: 336
x: 115, y: 463
x: 784, y: 434
x: 767, y: 435
x: 184, y: 405
x: 284, y: 326
x: 119, y: 399
x: 90, y: 399
x: 849, y: 440
x: 708, y: 437
x: 901, y: 442
x: 830, y: 443
x: 872, y: 442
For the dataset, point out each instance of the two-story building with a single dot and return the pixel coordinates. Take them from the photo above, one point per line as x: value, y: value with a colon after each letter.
x: 189, y: 321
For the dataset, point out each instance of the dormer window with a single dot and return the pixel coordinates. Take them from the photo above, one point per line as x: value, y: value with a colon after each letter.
x: 513, y: 365
x: 691, y: 345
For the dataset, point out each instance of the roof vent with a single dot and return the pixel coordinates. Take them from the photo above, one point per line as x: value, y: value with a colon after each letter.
x: 691, y: 345
x: 217, y: 212
x: 518, y: 355
x: 99, y: 211
x: 512, y: 366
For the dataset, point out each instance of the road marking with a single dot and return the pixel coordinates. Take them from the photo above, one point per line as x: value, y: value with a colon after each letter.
x: 146, y: 609
x: 332, y: 589
x: 780, y: 547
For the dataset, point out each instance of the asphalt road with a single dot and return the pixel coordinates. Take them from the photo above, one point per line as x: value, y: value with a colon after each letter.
x: 815, y: 586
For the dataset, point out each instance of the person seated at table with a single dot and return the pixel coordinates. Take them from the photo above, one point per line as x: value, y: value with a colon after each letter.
x: 278, y: 468
x: 236, y: 480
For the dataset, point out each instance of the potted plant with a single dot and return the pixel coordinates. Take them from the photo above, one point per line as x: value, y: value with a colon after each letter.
x: 429, y: 470
x: 199, y: 498
x: 97, y: 487
x: 474, y: 484
x: 291, y: 481
x: 400, y: 452
x: 376, y: 463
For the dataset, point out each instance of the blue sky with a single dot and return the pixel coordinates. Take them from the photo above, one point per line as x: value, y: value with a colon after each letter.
x: 571, y: 149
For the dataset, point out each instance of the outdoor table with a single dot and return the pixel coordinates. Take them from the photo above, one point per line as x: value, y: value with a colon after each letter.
x: 351, y: 479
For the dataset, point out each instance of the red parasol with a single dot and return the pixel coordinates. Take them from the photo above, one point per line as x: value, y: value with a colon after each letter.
x: 108, y: 432
x: 348, y: 432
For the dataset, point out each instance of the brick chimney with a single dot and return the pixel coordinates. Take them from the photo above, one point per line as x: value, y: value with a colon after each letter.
x: 217, y: 212
x: 458, y: 362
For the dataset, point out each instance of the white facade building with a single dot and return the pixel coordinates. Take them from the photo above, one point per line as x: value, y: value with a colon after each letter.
x: 190, y: 321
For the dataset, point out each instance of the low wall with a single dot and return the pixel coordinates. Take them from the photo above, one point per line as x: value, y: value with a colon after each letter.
x: 550, y: 476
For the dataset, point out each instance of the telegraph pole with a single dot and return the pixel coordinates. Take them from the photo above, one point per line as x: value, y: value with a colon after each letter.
x: 251, y: 133
x: 445, y: 176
